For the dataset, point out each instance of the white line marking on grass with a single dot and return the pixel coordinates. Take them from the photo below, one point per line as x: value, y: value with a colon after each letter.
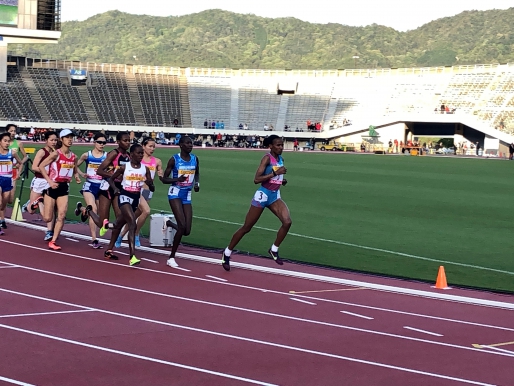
x: 244, y: 339
x: 357, y: 315
x: 69, y: 238
x: 136, y: 356
x: 215, y: 278
x: 44, y: 313
x: 303, y: 301
x: 422, y: 331
x: 366, y: 247
x: 150, y: 260
x: 15, y: 382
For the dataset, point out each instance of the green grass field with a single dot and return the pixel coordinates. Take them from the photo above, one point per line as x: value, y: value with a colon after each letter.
x: 394, y: 215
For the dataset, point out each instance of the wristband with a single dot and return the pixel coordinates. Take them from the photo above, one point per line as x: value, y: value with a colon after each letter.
x: 197, y: 184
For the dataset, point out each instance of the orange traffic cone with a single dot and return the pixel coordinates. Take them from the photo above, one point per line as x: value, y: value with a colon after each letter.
x: 441, y: 279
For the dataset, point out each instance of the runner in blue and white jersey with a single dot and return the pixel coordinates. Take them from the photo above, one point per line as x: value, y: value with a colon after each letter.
x: 94, y: 183
x: 183, y: 173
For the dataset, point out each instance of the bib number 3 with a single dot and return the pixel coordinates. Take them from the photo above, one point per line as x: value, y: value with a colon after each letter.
x: 260, y: 196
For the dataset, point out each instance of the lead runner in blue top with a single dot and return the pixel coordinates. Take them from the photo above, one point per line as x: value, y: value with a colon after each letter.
x: 270, y: 174
x: 183, y: 173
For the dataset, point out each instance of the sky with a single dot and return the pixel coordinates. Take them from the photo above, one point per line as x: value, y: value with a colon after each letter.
x: 401, y: 15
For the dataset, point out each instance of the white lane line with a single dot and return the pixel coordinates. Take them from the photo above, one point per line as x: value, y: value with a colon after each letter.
x: 150, y: 260
x: 266, y: 343
x: 75, y: 241
x: 499, y: 349
x: 121, y: 253
x: 357, y: 315
x: 422, y: 331
x: 182, y: 269
x: 15, y: 382
x: 253, y: 311
x: 303, y: 301
x: 10, y: 266
x: 215, y: 278
x: 142, y: 357
x: 282, y: 272
x: 102, y: 261
x: 44, y: 313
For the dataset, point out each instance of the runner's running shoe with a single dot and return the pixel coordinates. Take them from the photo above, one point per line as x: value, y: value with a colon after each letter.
x: 78, y: 208
x: 2, y: 232
x: 96, y: 245
x: 105, y: 227
x: 134, y: 261
x: 3, y: 224
x: 53, y: 246
x: 137, y: 242
x: 171, y: 263
x: 110, y: 256
x: 35, y: 204
x: 225, y: 262
x: 48, y: 235
x: 276, y: 257
x: 118, y: 242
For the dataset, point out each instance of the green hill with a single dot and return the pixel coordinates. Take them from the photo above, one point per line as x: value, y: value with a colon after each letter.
x: 218, y: 38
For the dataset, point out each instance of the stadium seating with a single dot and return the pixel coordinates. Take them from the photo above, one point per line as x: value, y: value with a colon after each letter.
x: 16, y: 103
x: 116, y: 94
x: 60, y: 99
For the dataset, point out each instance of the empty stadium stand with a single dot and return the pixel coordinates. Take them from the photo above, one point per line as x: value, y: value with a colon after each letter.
x: 118, y: 94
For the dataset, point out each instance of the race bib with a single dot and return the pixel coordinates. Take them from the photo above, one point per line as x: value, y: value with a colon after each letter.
x: 66, y: 170
x: 126, y: 200
x: 173, y: 191
x: 86, y: 186
x: 104, y: 185
x: 190, y: 177
x: 260, y: 196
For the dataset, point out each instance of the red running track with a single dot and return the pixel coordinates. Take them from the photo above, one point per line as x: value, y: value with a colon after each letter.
x: 73, y: 318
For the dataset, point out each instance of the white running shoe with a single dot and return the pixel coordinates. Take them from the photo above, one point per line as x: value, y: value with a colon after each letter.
x: 171, y: 263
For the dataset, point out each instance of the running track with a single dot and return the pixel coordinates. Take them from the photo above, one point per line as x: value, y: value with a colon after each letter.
x: 73, y: 318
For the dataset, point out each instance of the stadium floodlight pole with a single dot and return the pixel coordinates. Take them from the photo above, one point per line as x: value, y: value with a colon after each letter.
x: 355, y: 57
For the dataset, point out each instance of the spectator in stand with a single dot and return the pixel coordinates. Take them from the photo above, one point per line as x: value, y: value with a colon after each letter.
x: 222, y: 125
x: 318, y: 126
x: 206, y: 124
x: 265, y: 128
x: 511, y: 151
x: 295, y: 144
x: 401, y: 146
x: 308, y: 124
x: 396, y: 146
x: 240, y: 126
x: 245, y: 127
x: 132, y: 136
x: 390, y: 144
x: 175, y: 122
x: 477, y: 147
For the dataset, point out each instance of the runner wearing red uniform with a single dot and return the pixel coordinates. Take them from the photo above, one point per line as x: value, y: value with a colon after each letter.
x: 62, y: 167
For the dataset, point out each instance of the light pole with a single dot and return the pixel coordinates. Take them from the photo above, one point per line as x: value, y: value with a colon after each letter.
x: 355, y: 57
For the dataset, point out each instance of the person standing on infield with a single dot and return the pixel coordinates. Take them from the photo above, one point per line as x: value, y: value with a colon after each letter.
x: 270, y: 174
x: 183, y: 173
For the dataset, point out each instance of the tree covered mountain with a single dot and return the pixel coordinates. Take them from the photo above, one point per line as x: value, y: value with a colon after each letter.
x: 217, y: 38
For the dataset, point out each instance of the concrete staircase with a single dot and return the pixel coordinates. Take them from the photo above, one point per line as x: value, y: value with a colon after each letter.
x: 234, y: 110
x: 88, y: 105
x: 282, y: 112
x: 184, y: 102
x: 134, y: 99
x: 34, y: 94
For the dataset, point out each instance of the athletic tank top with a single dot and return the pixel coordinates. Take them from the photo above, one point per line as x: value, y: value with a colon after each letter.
x: 61, y: 170
x: 6, y: 163
x: 133, y: 178
x: 15, y: 145
x: 45, y: 156
x: 152, y: 165
x: 92, y: 164
x: 184, y: 168
x: 120, y: 160
x: 274, y: 164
